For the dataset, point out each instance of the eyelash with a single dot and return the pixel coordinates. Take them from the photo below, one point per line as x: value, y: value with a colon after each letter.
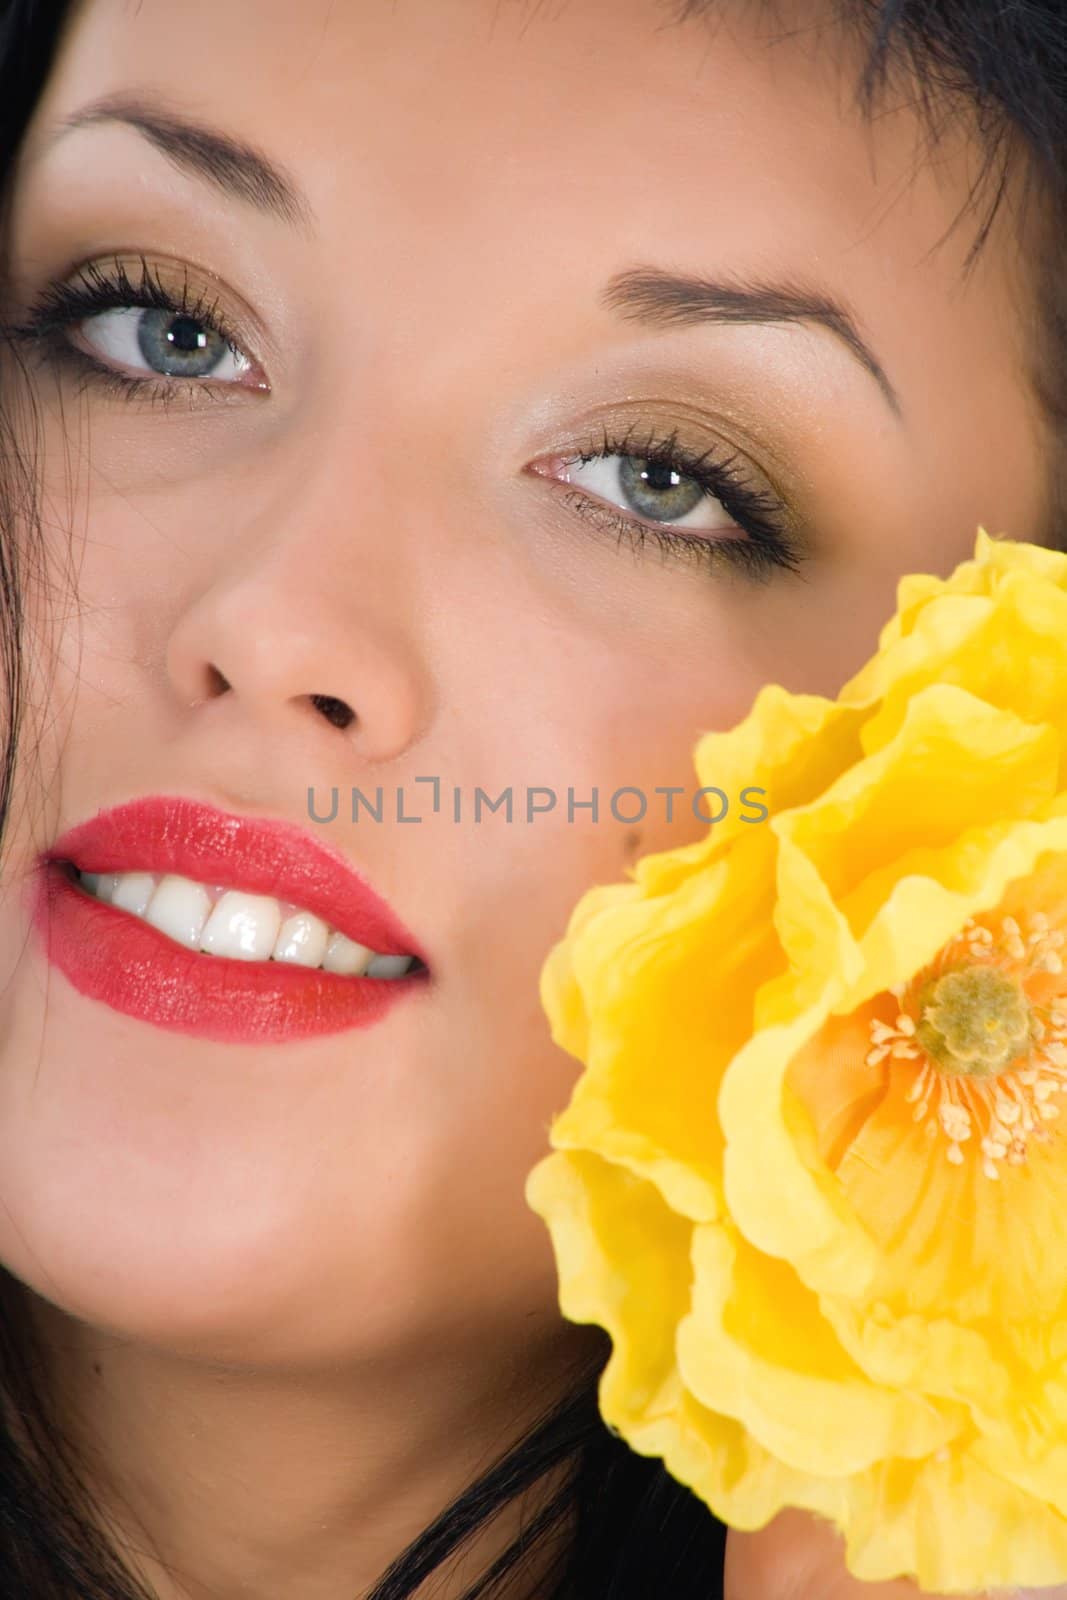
x: 769, y: 543
x: 94, y: 291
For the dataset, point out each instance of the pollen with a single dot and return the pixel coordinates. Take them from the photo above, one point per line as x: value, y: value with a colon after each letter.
x: 974, y: 1020
x: 984, y: 1035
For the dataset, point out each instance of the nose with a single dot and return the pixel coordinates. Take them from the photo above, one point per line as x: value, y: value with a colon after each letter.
x: 297, y: 630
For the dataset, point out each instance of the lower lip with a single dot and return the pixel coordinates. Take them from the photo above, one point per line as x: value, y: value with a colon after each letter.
x: 110, y: 955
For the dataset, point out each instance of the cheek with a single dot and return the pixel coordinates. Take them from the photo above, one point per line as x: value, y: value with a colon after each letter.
x: 519, y: 879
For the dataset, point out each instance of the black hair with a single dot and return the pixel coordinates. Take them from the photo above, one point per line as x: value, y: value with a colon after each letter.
x: 623, y: 1527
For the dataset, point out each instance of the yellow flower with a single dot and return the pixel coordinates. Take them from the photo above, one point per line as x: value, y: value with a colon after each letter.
x: 812, y: 1178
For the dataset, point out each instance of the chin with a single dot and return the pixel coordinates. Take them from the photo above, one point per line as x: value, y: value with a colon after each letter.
x: 234, y: 1292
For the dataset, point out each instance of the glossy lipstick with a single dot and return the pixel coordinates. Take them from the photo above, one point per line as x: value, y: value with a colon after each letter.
x: 113, y: 956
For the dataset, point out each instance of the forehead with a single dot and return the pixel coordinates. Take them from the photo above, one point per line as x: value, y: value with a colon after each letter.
x: 459, y: 112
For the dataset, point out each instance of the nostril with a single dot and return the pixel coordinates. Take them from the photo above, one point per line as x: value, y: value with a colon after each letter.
x: 334, y: 711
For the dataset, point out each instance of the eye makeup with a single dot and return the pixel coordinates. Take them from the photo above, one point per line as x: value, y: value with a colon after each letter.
x: 189, y: 318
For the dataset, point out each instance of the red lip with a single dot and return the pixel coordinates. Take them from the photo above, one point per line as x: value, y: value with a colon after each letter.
x: 112, y: 956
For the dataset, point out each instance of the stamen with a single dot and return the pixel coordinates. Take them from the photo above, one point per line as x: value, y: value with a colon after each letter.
x: 992, y: 1059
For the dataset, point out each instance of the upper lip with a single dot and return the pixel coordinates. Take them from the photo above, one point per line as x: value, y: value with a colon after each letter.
x: 174, y: 834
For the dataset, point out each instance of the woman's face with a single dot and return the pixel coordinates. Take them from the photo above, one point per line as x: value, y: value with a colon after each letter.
x: 378, y: 495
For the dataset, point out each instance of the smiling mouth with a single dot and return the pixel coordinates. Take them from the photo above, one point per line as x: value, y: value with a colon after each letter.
x: 240, y: 926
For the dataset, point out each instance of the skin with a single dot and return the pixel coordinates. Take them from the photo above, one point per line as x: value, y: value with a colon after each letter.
x: 294, y: 1294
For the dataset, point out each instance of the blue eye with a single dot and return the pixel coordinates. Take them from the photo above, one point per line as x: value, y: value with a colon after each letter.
x: 163, y: 343
x: 653, y: 489
x: 696, y: 507
x: 138, y: 336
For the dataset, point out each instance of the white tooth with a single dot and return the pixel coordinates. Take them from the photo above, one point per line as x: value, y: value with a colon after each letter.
x: 105, y: 885
x: 242, y: 926
x: 346, y: 956
x: 388, y: 966
x: 302, y: 940
x: 133, y: 891
x: 180, y: 908
x: 89, y: 881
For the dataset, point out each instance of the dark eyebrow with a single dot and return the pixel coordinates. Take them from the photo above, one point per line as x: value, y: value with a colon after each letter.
x: 230, y: 164
x: 670, y: 299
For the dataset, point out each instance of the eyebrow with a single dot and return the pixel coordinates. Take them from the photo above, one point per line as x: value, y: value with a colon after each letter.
x: 648, y: 295
x: 236, y: 168
x: 669, y: 299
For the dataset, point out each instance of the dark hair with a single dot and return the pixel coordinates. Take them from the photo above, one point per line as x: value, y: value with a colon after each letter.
x: 626, y: 1530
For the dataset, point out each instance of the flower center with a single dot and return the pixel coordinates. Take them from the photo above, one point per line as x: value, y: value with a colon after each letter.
x: 975, y: 1020
x: 988, y: 1035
